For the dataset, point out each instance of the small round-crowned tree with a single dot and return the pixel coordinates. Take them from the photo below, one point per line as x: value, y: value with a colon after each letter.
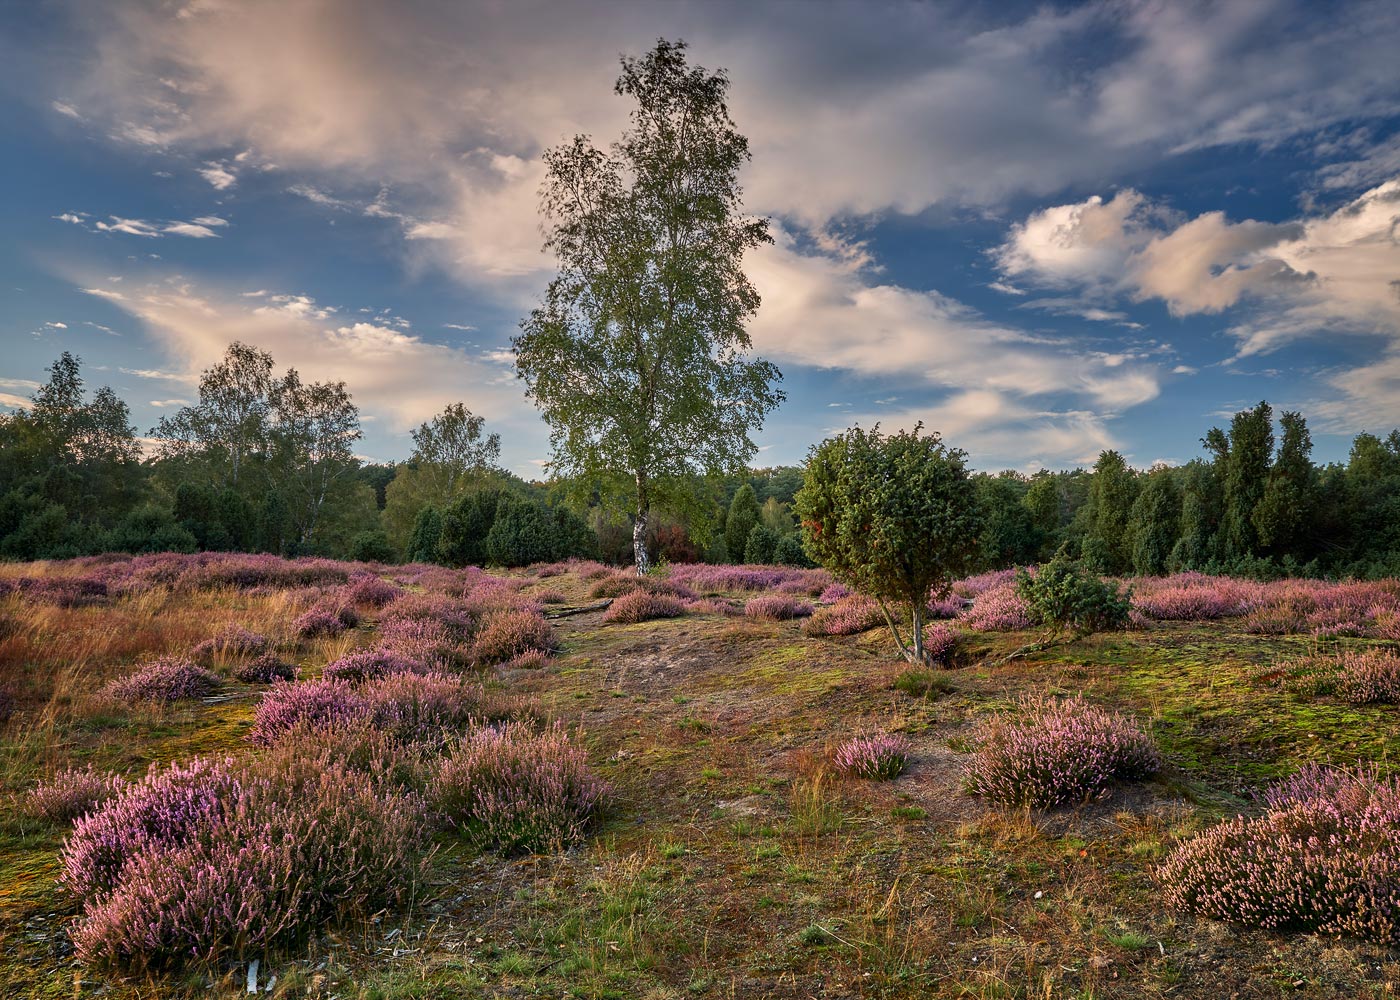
x: 894, y: 517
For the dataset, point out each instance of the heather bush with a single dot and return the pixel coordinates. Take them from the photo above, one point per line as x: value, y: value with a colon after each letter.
x: 881, y: 757
x: 264, y: 670
x: 429, y: 642
x: 163, y: 810
x: 316, y: 704
x: 551, y: 596
x: 940, y: 643
x: 531, y: 659
x: 713, y: 606
x: 318, y: 622
x: 516, y: 789
x: 847, y: 616
x: 641, y: 606
x: 1324, y: 856
x: 997, y: 609
x: 1046, y: 753
x: 506, y: 634
x: 1361, y: 677
x: 710, y: 579
x: 232, y: 640
x: 297, y: 842
x: 429, y: 708
x: 622, y: 583
x: 833, y: 593
x: 71, y: 794
x: 369, y: 590
x: 166, y: 679
x: 776, y: 608
x: 439, y: 609
x: 373, y: 664
x: 63, y: 591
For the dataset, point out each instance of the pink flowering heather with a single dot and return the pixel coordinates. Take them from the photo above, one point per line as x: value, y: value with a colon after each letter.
x: 881, y: 757
x: 940, y: 643
x: 776, y: 608
x: 297, y: 842
x: 847, y: 616
x: 1361, y: 677
x: 447, y: 612
x: 164, y: 809
x: 64, y: 591
x: 1324, y: 856
x: 972, y: 586
x: 318, y: 622
x: 519, y: 790
x: 368, y: 665
x: 71, y: 794
x: 641, y: 606
x: 531, y: 659
x: 1046, y: 753
x: 232, y: 640
x: 713, y: 606
x: 369, y: 590
x: 166, y: 679
x: 264, y: 670
x: 711, y: 579
x: 429, y: 708
x: 1197, y: 603
x: 317, y: 704
x: 429, y: 642
x: 834, y: 593
x: 551, y: 596
x: 504, y: 635
x: 946, y: 607
x: 623, y: 582
x: 997, y: 609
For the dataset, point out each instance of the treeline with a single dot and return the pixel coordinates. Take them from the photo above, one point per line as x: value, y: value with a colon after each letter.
x: 264, y: 462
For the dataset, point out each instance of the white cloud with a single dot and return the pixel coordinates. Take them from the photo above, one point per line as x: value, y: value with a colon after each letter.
x: 190, y: 229
x: 67, y: 110
x: 161, y: 403
x: 201, y: 228
x: 12, y: 401
x: 77, y: 218
x: 218, y: 175
x: 19, y: 383
x: 131, y: 227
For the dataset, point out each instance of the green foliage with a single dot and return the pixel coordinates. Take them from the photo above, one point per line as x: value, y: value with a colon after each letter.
x: 150, y: 528
x: 739, y: 523
x: 637, y: 356
x: 1066, y: 596
x: 1286, y: 507
x: 371, y: 546
x: 1242, y: 461
x: 895, y: 517
x: 761, y: 546
x: 1111, y: 497
x: 525, y: 532
x: 1010, y: 536
x: 1155, y: 523
x: 427, y: 530
x: 465, y: 524
x: 789, y: 552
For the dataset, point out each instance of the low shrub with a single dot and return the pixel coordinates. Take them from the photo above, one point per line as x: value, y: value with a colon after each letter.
x: 625, y: 582
x: 293, y: 843
x: 1324, y: 856
x: 429, y: 708
x: 918, y: 682
x: 315, y: 704
x: 166, y: 679
x: 551, y: 596
x: 997, y: 609
x: 847, y: 616
x: 368, y: 590
x: 776, y: 608
x: 519, y: 790
x: 881, y: 757
x: 265, y: 669
x: 1046, y: 753
x: 641, y: 606
x: 232, y: 640
x: 72, y: 794
x: 531, y: 659
x: 940, y: 643
x: 318, y: 622
x: 165, y: 809
x: 446, y: 612
x: 1065, y: 596
x: 367, y: 665
x: 1361, y: 677
x: 430, y: 642
x: 506, y: 634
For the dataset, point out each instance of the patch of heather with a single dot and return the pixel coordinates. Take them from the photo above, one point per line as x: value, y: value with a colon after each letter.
x: 164, y: 809
x: 63, y: 591
x: 947, y: 607
x: 504, y: 635
x: 448, y: 612
x: 640, y: 606
x: 429, y: 708
x: 495, y: 596
x: 301, y: 842
x: 584, y: 569
x: 972, y: 586
x: 833, y: 593
x: 166, y: 679
x: 369, y: 590
x: 940, y: 643
x: 624, y: 582
x: 1045, y: 753
x: 232, y: 640
x: 1324, y: 857
x: 372, y: 664
x: 1360, y: 677
x: 847, y: 616
x: 550, y: 596
x: 997, y: 609
x: 71, y: 794
x: 264, y: 670
x: 428, y: 641
x: 714, y: 606
x: 881, y: 757
x: 1195, y: 597
x: 776, y: 608
x: 519, y: 790
x: 316, y: 704
x: 705, y: 578
x: 318, y: 622
x: 531, y: 659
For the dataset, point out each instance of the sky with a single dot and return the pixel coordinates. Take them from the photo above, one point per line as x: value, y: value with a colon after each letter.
x: 1042, y: 230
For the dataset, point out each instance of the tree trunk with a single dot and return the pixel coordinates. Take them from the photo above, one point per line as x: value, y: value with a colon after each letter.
x: 639, y: 527
x: 918, y: 608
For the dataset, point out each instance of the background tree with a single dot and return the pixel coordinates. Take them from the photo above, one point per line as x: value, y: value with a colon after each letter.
x: 1286, y: 506
x: 451, y: 455
x: 315, y: 425
x: 1155, y: 522
x: 1242, y: 460
x: 743, y: 516
x: 637, y: 356
x: 894, y: 517
x: 229, y: 423
x: 1111, y: 495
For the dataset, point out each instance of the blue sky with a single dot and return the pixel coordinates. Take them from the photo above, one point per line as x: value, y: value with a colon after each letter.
x: 1042, y: 230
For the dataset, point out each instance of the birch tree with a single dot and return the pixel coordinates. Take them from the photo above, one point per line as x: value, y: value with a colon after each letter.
x: 638, y: 356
